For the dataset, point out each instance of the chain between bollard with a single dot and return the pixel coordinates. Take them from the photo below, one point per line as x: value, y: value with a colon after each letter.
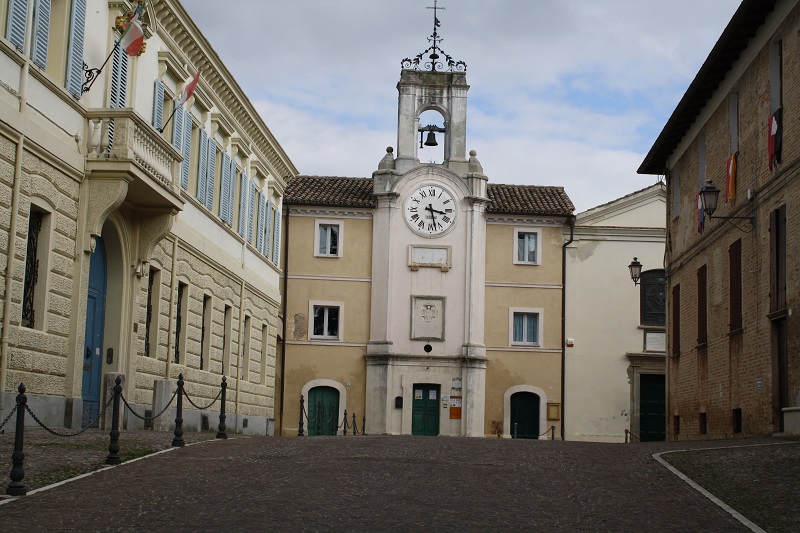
x: 14, y: 410
x: 186, y: 395
x: 90, y: 425
x: 152, y: 417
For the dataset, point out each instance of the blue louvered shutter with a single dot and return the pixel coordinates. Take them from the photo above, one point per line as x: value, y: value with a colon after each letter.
x: 202, y: 167
x: 211, y: 173
x: 267, y: 229
x: 41, y: 31
x: 276, y: 240
x: 75, y: 49
x: 158, y: 105
x: 187, y: 148
x: 251, y: 212
x: 231, y: 194
x: 243, y: 204
x: 177, y: 129
x: 260, y: 228
x: 17, y: 23
x: 227, y: 180
x: 119, y: 87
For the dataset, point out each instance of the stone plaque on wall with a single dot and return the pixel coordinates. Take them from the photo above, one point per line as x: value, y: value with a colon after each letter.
x: 427, y: 318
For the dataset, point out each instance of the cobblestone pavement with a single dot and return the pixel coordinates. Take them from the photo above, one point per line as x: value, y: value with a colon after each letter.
x: 379, y: 483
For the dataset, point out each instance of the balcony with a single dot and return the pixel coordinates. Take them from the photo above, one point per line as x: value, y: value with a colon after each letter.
x: 123, y: 147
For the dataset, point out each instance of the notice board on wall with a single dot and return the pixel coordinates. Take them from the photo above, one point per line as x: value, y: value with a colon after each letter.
x: 455, y: 407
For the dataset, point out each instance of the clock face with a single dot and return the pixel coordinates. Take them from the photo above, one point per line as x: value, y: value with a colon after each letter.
x: 430, y: 210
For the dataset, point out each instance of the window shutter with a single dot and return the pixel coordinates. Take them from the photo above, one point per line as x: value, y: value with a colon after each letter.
x: 227, y: 180
x: 75, y: 50
x: 251, y: 212
x: 267, y: 228
x: 17, y: 23
x: 187, y: 148
x: 702, y: 307
x: 41, y: 30
x: 243, y: 204
x: 735, y: 278
x: 260, y: 229
x: 211, y: 173
x: 158, y: 105
x: 676, y: 320
x: 202, y: 167
x: 231, y: 193
x: 276, y: 241
x: 119, y: 84
x: 177, y: 129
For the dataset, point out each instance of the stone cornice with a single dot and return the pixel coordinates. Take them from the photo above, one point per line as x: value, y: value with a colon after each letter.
x: 338, y: 212
x: 526, y: 220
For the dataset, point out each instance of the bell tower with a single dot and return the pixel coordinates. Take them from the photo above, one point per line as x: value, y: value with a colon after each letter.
x: 432, y: 80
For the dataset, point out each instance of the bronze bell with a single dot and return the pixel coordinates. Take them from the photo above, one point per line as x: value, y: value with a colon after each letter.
x: 431, y: 139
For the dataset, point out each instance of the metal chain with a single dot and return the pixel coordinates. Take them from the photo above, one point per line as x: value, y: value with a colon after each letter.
x: 91, y: 424
x: 202, y: 408
x: 14, y: 410
x: 137, y: 415
x: 546, y: 431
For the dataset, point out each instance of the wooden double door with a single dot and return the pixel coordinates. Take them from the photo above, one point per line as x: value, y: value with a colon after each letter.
x: 425, y: 410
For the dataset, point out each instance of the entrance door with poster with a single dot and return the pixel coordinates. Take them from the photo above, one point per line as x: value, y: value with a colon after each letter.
x: 425, y: 410
x: 93, y: 349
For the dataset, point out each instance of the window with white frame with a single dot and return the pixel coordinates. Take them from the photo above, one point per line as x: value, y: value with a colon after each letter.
x: 325, y: 320
x: 526, y: 326
x: 526, y: 246
x: 328, y: 238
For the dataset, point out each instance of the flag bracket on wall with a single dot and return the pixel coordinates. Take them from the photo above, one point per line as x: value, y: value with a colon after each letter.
x: 131, y: 40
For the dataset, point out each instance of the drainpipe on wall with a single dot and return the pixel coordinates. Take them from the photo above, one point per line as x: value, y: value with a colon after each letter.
x: 12, y: 244
x: 283, y: 305
x: 571, y: 222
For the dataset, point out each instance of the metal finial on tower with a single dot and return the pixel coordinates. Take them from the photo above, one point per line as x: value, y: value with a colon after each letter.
x: 432, y: 63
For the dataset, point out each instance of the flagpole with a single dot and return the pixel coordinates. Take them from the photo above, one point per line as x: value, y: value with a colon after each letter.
x: 91, y: 74
x: 174, y: 108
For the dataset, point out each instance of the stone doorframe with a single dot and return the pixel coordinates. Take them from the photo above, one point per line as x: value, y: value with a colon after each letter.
x: 507, y: 407
x: 326, y: 383
x: 641, y: 363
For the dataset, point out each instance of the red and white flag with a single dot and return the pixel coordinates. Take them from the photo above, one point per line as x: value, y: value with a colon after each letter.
x: 132, y: 37
x: 187, y: 93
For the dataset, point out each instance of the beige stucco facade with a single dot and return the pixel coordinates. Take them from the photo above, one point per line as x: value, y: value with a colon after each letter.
x: 94, y: 168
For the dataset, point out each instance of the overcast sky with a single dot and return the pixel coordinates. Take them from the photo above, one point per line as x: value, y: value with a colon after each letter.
x: 562, y: 92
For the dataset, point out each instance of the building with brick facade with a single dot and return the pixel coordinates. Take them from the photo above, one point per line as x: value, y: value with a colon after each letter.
x: 732, y: 337
x: 140, y: 235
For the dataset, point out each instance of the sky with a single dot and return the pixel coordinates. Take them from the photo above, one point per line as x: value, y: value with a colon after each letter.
x: 562, y: 92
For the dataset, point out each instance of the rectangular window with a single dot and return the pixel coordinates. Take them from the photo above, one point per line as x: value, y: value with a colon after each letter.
x: 676, y: 320
x: 674, y: 183
x: 652, y: 298
x: 776, y: 76
x: 676, y: 425
x: 328, y: 239
x: 153, y: 312
x: 526, y: 326
x: 182, y: 305
x: 205, y: 332
x: 736, y: 420
x: 703, y: 424
x: 326, y: 319
x: 735, y: 275
x: 733, y: 121
x: 30, y: 296
x: 701, y: 161
x: 777, y: 263
x: 264, y: 353
x: 702, y: 306
x: 226, y: 340
x: 245, y: 368
x: 526, y: 250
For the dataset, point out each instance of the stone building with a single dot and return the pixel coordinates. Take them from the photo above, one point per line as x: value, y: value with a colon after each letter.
x: 732, y: 337
x: 127, y: 250
x: 424, y: 299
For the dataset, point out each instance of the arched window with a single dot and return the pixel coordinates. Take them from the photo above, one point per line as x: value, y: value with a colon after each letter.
x: 652, y: 300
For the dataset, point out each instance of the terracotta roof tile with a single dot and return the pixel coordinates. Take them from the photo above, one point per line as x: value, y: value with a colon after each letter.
x: 357, y: 192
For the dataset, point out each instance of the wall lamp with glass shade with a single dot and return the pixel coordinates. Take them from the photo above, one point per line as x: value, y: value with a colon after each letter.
x: 636, y: 270
x: 708, y: 198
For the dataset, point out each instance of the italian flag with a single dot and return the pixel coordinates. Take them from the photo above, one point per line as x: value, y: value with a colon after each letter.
x: 132, y: 37
x: 187, y: 93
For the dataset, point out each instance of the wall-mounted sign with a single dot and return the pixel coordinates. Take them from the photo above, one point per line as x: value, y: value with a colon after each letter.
x: 417, y: 394
x: 455, y: 407
x: 554, y: 411
x: 456, y: 383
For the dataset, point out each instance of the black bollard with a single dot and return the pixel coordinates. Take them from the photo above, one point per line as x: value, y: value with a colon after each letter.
x: 221, y: 434
x: 345, y: 423
x: 300, y: 432
x: 515, y: 430
x: 552, y: 433
x: 364, y: 425
x: 113, y: 448
x: 355, y: 427
x: 17, y: 487
x: 178, y: 440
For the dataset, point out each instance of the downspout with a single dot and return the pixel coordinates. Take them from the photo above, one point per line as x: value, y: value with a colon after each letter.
x: 283, y: 305
x: 12, y: 245
x: 239, y: 355
x: 571, y: 222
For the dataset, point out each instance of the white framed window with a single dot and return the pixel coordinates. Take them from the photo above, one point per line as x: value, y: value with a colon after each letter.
x: 525, y: 326
x: 527, y: 246
x: 325, y: 320
x: 328, y: 238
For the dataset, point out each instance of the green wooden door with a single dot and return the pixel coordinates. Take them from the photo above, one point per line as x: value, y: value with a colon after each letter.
x: 323, y: 411
x: 652, y: 407
x: 425, y: 410
x: 524, y: 415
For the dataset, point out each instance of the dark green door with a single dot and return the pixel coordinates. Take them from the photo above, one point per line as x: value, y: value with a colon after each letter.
x: 425, y: 410
x: 652, y: 407
x: 524, y: 415
x: 323, y: 411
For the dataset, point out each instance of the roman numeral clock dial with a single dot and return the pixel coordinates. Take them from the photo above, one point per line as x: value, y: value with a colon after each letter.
x: 430, y: 210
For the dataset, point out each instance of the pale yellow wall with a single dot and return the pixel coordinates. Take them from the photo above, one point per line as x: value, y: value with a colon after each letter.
x: 500, y: 247
x: 500, y: 299
x: 356, y: 259
x: 354, y: 295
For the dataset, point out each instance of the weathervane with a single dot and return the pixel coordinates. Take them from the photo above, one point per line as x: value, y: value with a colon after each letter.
x: 432, y: 63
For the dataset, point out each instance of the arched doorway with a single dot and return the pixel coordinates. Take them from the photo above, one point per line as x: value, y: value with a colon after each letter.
x: 95, y: 327
x: 525, y: 407
x: 323, y: 411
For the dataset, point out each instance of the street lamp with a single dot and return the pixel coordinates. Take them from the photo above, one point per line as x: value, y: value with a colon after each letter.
x: 709, y: 195
x: 636, y: 270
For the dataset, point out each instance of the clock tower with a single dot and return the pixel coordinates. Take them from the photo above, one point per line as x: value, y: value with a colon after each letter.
x: 426, y: 358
